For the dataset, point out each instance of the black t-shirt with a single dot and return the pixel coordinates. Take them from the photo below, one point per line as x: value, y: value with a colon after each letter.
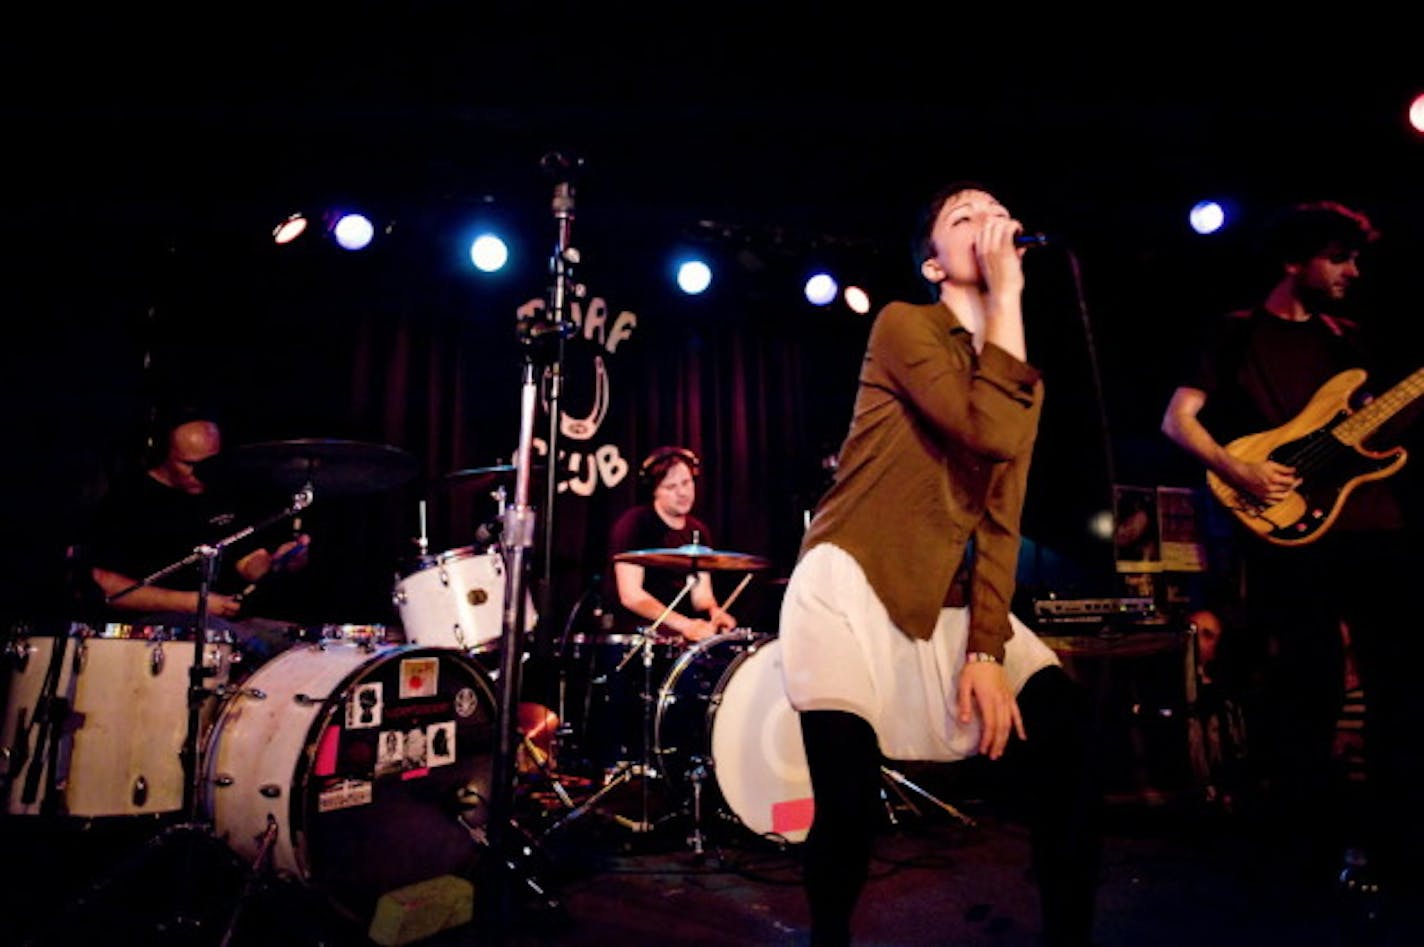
x: 1260, y: 371
x: 143, y: 526
x: 642, y: 528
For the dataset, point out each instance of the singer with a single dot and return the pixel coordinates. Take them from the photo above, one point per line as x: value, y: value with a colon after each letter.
x: 897, y: 638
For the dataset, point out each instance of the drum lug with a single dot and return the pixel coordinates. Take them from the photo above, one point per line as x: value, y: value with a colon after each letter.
x: 307, y: 701
x: 81, y: 653
x: 222, y: 779
x: 155, y: 660
x: 270, y: 790
x: 399, y: 598
x: 140, y: 791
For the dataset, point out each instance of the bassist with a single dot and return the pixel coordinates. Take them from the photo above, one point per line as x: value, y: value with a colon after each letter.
x: 1255, y: 371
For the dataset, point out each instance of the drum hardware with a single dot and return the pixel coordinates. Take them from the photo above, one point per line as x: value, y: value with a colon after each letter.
x: 897, y: 781
x: 51, y: 713
x: 627, y: 770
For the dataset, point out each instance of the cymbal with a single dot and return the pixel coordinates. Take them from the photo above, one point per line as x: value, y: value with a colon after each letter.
x: 328, y: 466
x: 694, y: 558
x: 484, y: 478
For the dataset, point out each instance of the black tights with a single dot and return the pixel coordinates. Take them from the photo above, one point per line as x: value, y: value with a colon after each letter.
x: 1052, y: 775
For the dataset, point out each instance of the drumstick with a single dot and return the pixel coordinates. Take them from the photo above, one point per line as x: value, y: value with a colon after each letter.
x: 737, y: 591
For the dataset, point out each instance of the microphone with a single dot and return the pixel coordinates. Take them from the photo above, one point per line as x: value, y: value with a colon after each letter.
x: 1032, y: 240
x: 561, y: 165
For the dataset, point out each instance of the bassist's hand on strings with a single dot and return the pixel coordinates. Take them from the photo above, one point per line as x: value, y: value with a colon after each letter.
x: 1267, y: 480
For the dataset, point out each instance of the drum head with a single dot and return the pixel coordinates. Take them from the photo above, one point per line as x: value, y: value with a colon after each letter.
x: 757, y: 753
x: 371, y: 767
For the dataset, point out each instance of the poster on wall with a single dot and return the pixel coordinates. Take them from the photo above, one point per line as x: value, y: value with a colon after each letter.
x: 1183, y: 548
x: 1136, y: 543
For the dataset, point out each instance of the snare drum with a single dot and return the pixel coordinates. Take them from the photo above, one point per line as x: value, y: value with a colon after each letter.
x: 96, y: 718
x: 454, y: 600
x: 723, y: 721
x: 355, y: 767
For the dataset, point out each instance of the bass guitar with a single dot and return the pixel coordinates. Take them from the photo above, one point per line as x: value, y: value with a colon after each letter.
x: 1323, y: 444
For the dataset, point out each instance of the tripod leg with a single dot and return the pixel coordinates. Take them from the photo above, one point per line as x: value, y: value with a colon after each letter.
x: 259, y: 863
x: 898, y: 779
x: 621, y: 776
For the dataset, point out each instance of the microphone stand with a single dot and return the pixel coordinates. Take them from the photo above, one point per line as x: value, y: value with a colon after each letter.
x: 563, y: 169
x: 518, y: 535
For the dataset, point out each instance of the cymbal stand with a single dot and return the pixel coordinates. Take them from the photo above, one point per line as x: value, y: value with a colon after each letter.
x: 897, y: 781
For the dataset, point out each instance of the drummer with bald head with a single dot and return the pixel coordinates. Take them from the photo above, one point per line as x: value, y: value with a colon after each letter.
x: 156, y: 516
x: 641, y: 594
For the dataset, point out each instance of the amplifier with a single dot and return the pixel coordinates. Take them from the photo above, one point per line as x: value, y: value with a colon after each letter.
x: 1094, y: 610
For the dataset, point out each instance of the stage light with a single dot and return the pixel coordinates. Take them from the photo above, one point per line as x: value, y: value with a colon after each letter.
x: 289, y: 229
x: 353, y: 232
x: 1101, y: 525
x: 821, y: 289
x: 693, y: 277
x: 857, y: 299
x: 1207, y: 217
x: 1416, y: 113
x: 489, y: 253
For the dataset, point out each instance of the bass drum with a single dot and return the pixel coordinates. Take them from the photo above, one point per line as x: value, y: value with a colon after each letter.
x: 356, y: 769
x: 723, y: 712
x: 96, y: 718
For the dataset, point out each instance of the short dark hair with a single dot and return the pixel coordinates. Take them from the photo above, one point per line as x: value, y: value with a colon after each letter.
x: 1301, y: 231
x: 657, y: 464
x: 922, y: 247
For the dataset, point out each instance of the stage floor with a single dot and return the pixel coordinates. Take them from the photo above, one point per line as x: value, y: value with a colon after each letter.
x: 1177, y: 871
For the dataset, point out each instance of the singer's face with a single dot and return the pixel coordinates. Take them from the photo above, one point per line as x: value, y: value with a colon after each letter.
x: 956, y: 229
x: 677, y: 491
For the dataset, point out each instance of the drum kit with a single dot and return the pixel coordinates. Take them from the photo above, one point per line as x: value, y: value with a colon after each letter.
x: 359, y: 761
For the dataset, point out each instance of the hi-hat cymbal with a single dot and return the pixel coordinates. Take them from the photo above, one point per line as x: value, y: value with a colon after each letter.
x: 694, y: 558
x: 484, y: 478
x: 327, y: 466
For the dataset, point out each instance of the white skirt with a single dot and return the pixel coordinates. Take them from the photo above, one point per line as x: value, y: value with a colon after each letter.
x: 840, y: 651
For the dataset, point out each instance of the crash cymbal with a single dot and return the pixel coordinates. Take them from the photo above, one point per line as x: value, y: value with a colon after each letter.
x: 694, y: 558
x: 485, y: 478
x: 327, y: 466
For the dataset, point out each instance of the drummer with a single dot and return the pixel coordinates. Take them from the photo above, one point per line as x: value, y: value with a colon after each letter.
x: 667, y: 480
x: 155, y: 517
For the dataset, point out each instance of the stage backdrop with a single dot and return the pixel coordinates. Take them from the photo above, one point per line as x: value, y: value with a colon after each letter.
x: 407, y: 347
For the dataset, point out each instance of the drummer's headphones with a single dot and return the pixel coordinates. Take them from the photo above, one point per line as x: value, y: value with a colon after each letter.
x: 655, y: 467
